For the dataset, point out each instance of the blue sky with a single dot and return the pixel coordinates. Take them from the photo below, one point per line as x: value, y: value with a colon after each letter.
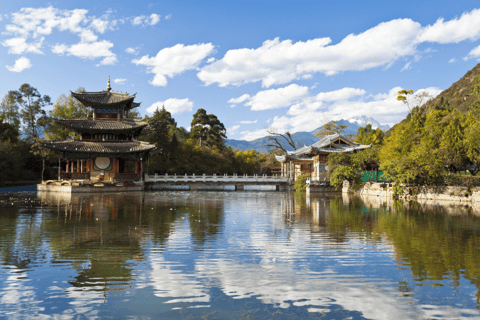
x: 255, y: 64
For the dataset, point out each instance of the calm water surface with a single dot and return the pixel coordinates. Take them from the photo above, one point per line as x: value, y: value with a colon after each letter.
x: 240, y: 255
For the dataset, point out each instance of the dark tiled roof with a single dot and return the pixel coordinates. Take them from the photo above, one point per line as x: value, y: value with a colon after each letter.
x: 101, y: 125
x: 98, y: 147
x: 106, y: 99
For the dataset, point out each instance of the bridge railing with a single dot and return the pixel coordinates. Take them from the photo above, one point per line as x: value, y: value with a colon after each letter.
x: 215, y: 178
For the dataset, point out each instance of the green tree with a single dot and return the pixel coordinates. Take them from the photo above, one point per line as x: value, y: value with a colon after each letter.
x: 66, y: 107
x: 368, y: 135
x: 9, y: 111
x: 31, y: 105
x: 206, y: 128
x: 330, y: 128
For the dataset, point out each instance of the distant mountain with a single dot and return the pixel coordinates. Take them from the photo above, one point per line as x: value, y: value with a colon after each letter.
x: 362, y: 121
x: 304, y: 138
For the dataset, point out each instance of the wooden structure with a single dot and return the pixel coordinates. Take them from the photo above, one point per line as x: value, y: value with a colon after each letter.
x: 107, y: 140
x: 312, y: 159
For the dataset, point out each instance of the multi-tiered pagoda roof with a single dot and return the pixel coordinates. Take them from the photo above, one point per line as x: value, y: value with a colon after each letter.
x: 107, y: 139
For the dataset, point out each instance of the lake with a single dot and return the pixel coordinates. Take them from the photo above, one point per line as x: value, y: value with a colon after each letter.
x: 236, y: 255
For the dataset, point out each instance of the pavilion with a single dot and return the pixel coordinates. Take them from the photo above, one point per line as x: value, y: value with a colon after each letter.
x: 312, y: 159
x: 107, y: 142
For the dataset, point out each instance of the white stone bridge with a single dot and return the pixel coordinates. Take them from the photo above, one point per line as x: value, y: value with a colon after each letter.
x: 214, y: 182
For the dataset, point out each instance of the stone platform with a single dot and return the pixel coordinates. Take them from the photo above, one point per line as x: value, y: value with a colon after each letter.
x: 89, y: 186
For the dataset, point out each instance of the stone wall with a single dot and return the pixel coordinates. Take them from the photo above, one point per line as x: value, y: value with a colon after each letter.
x: 385, y: 190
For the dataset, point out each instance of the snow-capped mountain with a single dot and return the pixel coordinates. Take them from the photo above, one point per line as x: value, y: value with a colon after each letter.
x: 362, y: 121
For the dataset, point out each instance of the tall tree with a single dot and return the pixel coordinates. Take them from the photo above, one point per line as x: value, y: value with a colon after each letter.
x: 330, y: 128
x: 206, y: 128
x: 163, y: 126
x: 31, y: 105
x: 9, y: 111
x: 368, y: 135
x: 66, y: 107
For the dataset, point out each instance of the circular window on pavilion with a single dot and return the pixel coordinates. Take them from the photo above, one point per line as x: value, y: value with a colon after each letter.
x: 103, y: 163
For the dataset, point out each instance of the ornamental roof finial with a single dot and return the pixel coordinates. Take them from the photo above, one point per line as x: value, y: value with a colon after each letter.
x: 108, y: 86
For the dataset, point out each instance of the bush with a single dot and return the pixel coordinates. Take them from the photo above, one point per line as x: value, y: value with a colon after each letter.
x: 300, y: 184
x: 459, y: 180
x: 345, y: 173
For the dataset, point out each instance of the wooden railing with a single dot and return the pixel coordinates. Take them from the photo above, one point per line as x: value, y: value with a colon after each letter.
x: 215, y: 178
x: 76, y: 175
x: 127, y: 176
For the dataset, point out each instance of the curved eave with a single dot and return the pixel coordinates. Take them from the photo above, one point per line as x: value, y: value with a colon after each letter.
x: 92, y: 126
x: 99, y: 148
x: 89, y: 99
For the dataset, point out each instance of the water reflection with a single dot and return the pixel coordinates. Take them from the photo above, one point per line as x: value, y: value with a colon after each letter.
x: 220, y: 254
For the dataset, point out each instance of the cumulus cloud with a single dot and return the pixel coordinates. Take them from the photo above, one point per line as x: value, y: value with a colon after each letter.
x: 239, y: 99
x: 279, y: 62
x: 132, y: 51
x: 36, y: 23
x: 19, y: 45
x: 232, y: 129
x: 174, y: 60
x: 277, y: 98
x: 475, y: 53
x: 142, y: 20
x: 20, y: 65
x: 467, y: 27
x: 89, y: 50
x: 119, y: 81
x: 248, y: 122
x: 341, y: 94
x: 173, y: 105
x: 309, y: 113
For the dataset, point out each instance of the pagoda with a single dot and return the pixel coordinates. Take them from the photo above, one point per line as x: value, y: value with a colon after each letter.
x: 107, y: 145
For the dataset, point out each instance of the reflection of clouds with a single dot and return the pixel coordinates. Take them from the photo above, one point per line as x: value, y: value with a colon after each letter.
x: 169, y: 282
x: 17, y: 297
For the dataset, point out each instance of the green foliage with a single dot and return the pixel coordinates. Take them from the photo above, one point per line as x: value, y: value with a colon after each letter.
x: 368, y: 135
x: 66, y: 107
x: 330, y: 128
x: 208, y: 130
x: 9, y: 111
x: 342, y: 173
x: 31, y: 105
x: 300, y: 184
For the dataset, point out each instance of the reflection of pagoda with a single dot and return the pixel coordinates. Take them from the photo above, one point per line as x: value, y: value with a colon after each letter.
x: 107, y: 140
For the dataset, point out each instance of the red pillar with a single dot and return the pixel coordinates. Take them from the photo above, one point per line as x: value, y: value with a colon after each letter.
x: 68, y: 166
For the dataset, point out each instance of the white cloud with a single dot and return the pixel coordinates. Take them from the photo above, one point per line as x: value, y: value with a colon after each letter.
x: 248, y: 122
x: 277, y: 98
x: 239, y: 99
x: 144, y: 20
x: 279, y: 62
x: 452, y: 60
x: 168, y: 17
x: 173, y: 105
x: 308, y: 113
x: 341, y: 94
x: 475, y: 53
x: 132, y: 50
x: 119, y: 81
x: 406, y: 66
x: 36, y: 23
x: 20, y: 65
x: 232, y: 129
x: 19, y: 45
x: 453, y: 31
x: 89, y: 50
x: 174, y: 60
x: 210, y: 59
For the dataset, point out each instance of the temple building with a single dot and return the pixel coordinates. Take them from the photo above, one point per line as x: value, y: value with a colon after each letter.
x: 107, y: 142
x: 312, y: 159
